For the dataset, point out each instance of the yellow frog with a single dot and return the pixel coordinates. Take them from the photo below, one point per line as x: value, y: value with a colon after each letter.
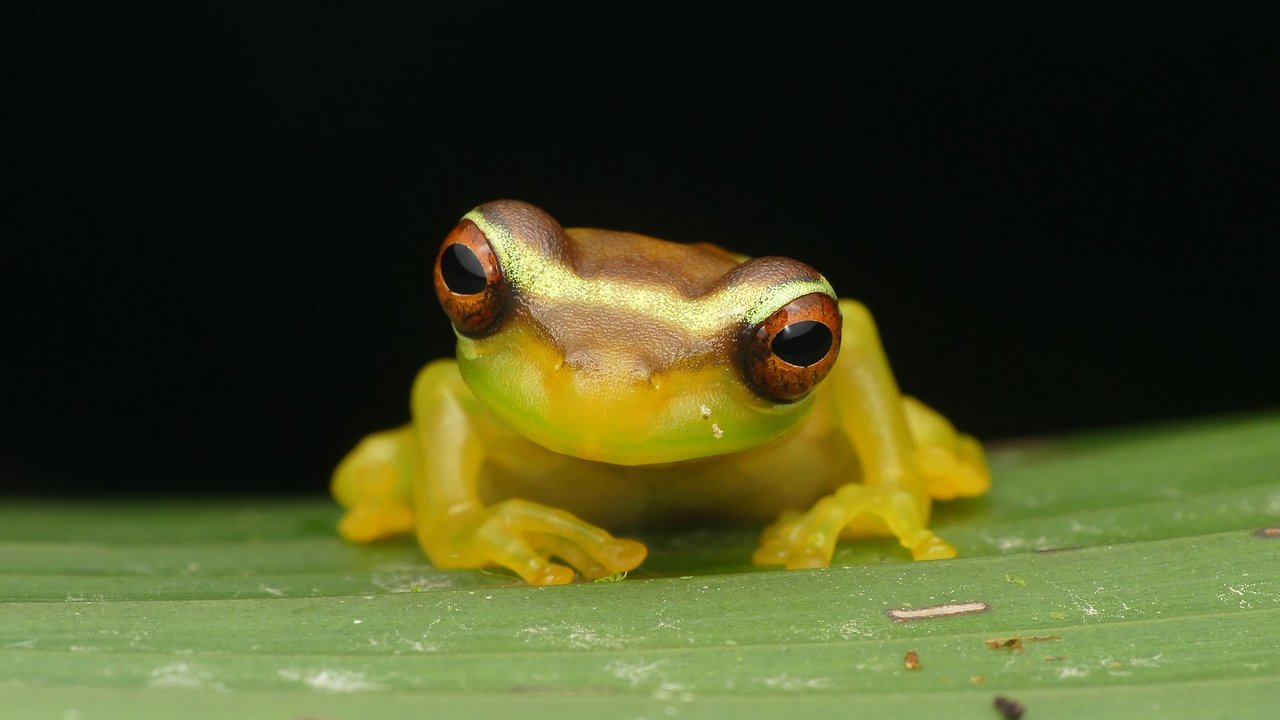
x: 608, y: 379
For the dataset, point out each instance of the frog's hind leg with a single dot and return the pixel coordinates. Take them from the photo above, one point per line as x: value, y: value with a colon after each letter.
x: 951, y: 462
x: 374, y: 482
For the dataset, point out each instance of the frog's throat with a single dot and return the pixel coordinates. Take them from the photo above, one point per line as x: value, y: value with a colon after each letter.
x: 531, y: 272
x: 690, y: 413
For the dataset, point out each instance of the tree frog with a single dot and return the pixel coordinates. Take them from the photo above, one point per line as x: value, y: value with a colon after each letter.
x: 607, y: 379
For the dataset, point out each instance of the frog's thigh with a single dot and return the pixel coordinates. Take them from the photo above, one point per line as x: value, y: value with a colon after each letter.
x: 374, y: 483
x: 952, y: 463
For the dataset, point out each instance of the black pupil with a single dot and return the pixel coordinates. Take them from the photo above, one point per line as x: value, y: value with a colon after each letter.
x: 461, y: 270
x: 802, y: 343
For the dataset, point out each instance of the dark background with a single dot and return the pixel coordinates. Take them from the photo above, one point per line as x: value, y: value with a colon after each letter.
x: 221, y: 220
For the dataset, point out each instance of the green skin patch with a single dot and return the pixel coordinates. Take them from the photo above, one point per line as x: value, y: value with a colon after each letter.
x: 688, y: 414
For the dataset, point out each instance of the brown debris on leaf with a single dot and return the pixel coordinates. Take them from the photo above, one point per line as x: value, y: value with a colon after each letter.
x: 1009, y: 708
x: 1017, y: 642
x: 912, y: 660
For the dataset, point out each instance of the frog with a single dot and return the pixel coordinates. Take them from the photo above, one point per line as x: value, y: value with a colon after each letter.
x: 610, y: 382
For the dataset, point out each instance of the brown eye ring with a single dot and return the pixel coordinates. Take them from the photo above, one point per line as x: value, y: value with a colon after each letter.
x: 789, y: 353
x: 469, y: 281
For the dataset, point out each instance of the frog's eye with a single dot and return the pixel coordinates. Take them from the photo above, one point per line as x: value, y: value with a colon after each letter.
x: 469, y: 280
x: 794, y: 348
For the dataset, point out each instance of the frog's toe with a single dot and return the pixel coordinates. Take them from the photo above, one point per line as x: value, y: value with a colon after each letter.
x: 798, y: 540
x: 620, y: 555
x: 376, y: 520
x: 770, y: 554
x: 550, y: 574
x: 902, y: 517
x: 792, y: 557
x: 572, y: 555
x: 977, y: 475
x: 933, y: 548
x: 780, y: 527
x: 808, y: 558
x: 613, y: 557
x: 531, y: 566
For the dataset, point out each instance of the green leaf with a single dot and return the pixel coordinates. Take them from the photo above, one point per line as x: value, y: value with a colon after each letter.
x: 1119, y: 575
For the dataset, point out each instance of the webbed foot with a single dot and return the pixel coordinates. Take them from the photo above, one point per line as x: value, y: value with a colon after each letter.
x: 524, y: 537
x: 808, y: 540
x: 371, y: 482
x: 952, y: 463
x: 956, y: 471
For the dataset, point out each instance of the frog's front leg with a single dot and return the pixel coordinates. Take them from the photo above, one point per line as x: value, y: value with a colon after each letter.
x: 893, y: 493
x: 457, y: 531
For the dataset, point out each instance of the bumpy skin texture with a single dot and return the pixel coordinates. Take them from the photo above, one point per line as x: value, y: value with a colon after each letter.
x: 615, y: 389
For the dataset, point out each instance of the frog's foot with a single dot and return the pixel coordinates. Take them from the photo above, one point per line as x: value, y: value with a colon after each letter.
x: 956, y: 471
x: 376, y: 520
x: 523, y: 537
x: 808, y: 540
x: 952, y: 463
x: 371, y: 482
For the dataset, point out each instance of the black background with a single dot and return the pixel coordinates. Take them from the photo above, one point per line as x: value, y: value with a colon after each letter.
x: 221, y: 219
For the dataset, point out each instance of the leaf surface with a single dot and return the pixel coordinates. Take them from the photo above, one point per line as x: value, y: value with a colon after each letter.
x: 1114, y: 575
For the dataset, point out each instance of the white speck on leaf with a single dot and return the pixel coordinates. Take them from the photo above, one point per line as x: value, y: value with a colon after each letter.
x: 395, y: 579
x: 1153, y: 661
x: 633, y: 673
x: 186, y: 676
x: 790, y: 682
x: 849, y: 630
x: 1072, y: 671
x: 577, y: 637
x: 1078, y: 527
x: 1239, y: 591
x: 336, y: 681
x: 672, y: 691
x: 1273, y: 505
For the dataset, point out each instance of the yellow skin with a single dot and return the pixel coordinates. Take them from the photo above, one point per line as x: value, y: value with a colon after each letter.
x: 610, y: 392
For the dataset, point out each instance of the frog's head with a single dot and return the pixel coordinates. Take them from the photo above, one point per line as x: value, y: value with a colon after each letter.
x: 622, y: 348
